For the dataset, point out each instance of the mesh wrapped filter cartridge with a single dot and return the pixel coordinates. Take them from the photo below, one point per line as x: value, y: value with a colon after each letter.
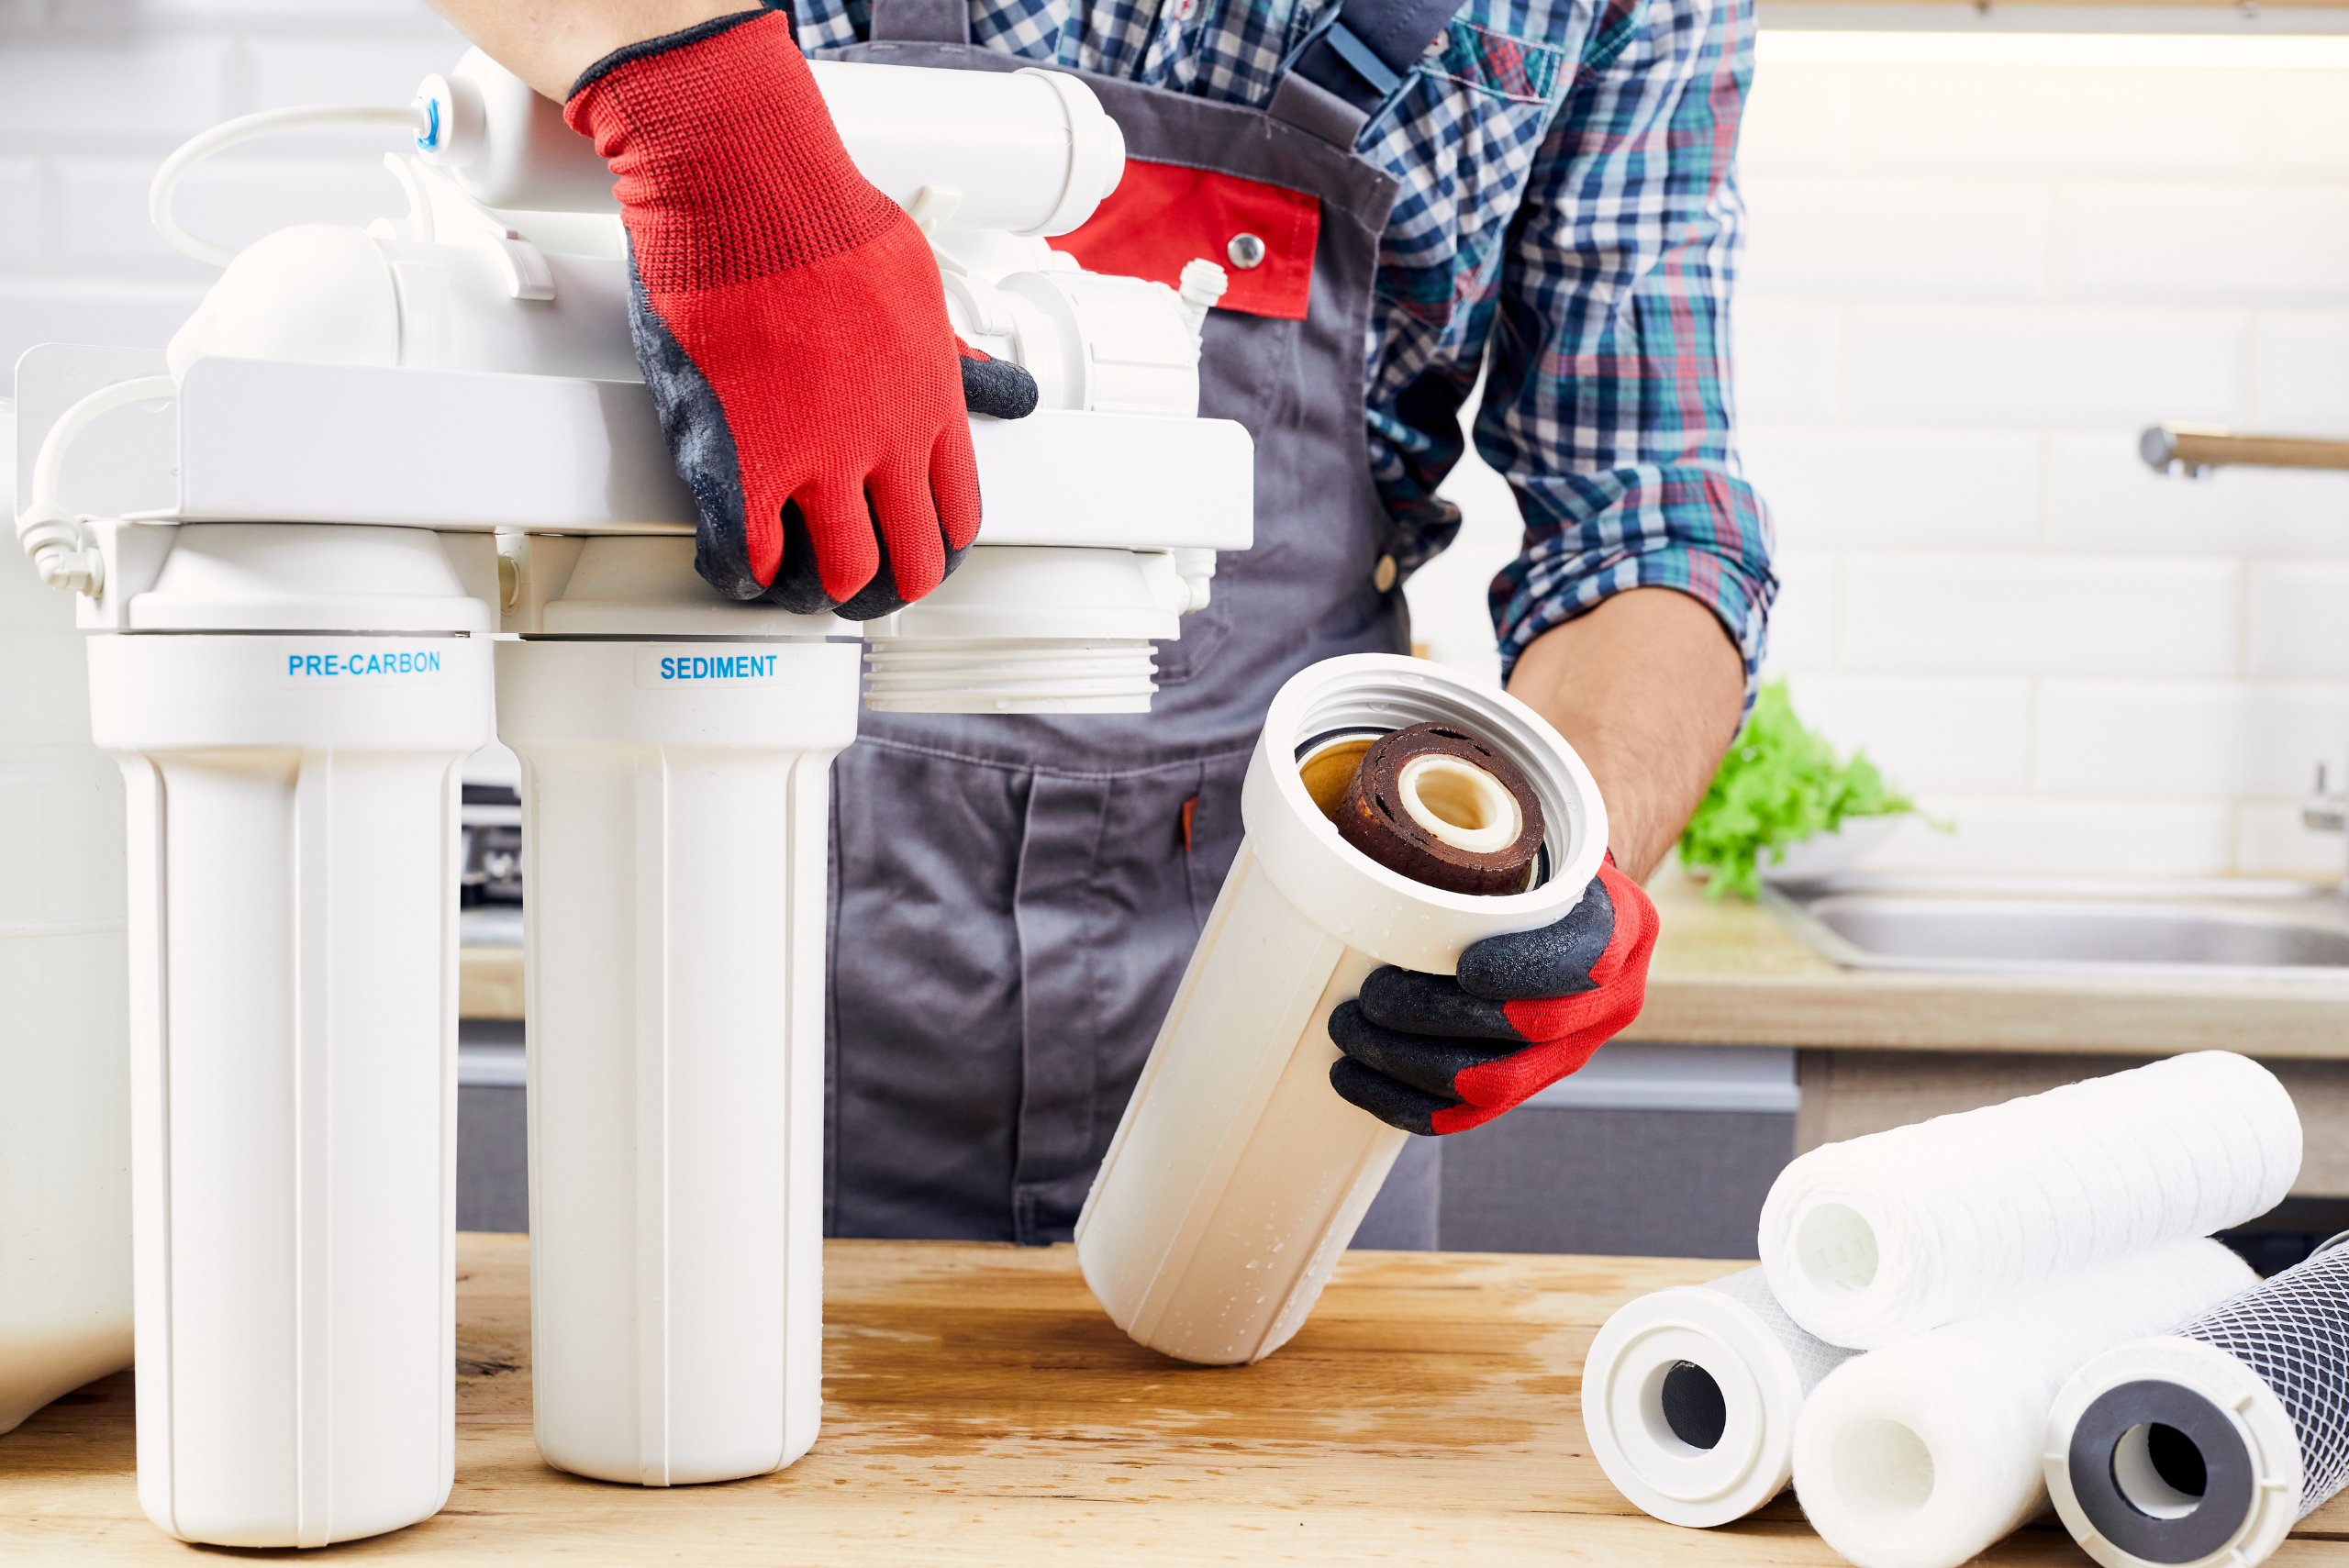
x: 1689, y: 1397
x: 1871, y: 1240
x: 1921, y: 1454
x: 2203, y: 1446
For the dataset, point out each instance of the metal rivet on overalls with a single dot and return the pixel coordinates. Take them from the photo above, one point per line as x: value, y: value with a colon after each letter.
x: 1245, y: 250
x: 1383, y: 577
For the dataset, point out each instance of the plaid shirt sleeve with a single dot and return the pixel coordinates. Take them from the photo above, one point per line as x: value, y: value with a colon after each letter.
x: 1607, y: 403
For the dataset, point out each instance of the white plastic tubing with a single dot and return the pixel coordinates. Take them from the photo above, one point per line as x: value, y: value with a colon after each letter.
x: 1921, y: 1454
x: 1871, y: 1240
x: 292, y: 817
x: 675, y: 798
x: 1238, y: 1176
x: 51, y: 535
x: 1689, y: 1397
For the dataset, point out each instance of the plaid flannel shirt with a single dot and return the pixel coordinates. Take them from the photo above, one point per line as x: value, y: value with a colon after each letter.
x: 1568, y: 203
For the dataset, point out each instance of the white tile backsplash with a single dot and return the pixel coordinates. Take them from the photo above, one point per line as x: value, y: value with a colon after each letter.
x: 2217, y: 242
x: 1844, y: 238
x: 2046, y: 365
x: 1967, y: 733
x: 2272, y: 840
x: 1977, y: 282
x: 1789, y: 357
x: 1865, y: 488
x: 2037, y: 122
x: 1798, y: 121
x: 2199, y: 737
x: 2299, y: 618
x: 64, y: 93
x: 2033, y: 614
x: 2301, y: 361
x: 2040, y: 834
x: 2308, y: 123
x: 20, y: 193
x: 1803, y: 622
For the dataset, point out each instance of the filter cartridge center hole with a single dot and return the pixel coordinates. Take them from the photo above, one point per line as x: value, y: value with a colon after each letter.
x: 2160, y: 1471
x: 1693, y: 1405
x: 1460, y: 803
x: 1836, y: 1248
x: 1885, y: 1468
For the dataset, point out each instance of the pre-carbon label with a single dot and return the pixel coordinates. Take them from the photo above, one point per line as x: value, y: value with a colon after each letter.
x: 362, y: 661
x: 670, y: 665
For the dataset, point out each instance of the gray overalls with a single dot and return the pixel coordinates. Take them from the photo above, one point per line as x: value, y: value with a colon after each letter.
x: 1014, y: 899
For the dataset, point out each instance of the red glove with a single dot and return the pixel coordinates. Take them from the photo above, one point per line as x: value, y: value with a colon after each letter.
x: 791, y: 326
x: 1431, y: 1055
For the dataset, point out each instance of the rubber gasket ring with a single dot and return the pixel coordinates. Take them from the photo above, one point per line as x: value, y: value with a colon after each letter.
x: 2228, y: 1489
x: 1373, y: 819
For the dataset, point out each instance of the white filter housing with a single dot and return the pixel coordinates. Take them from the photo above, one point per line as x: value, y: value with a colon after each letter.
x: 1238, y: 1176
x: 64, y: 1092
x: 674, y: 803
x: 293, y: 996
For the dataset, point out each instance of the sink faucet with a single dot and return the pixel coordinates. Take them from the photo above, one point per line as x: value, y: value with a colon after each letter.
x: 2195, y: 449
x: 2327, y: 811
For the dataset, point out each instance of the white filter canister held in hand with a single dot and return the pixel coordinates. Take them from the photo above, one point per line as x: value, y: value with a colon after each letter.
x: 1921, y: 1454
x: 1873, y: 1239
x: 1238, y: 1175
x: 1689, y: 1397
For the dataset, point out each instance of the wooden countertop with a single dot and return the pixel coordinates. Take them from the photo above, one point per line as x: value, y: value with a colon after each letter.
x: 1728, y: 972
x: 982, y: 1410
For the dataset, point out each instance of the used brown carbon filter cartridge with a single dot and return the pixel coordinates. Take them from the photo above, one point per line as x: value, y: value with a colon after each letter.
x: 1441, y: 807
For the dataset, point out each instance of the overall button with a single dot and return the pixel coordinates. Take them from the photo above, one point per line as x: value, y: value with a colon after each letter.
x: 1245, y: 250
x: 1383, y: 576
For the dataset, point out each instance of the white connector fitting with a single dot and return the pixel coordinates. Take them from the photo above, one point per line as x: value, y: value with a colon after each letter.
x: 1203, y: 284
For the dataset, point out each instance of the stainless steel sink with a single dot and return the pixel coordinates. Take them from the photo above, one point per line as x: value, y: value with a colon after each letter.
x: 2231, y: 929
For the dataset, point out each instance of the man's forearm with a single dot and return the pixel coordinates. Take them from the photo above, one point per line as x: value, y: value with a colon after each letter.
x: 1648, y: 689
x: 547, y: 43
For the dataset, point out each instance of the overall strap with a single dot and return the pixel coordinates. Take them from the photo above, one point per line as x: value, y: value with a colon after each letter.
x: 920, y: 21
x: 1350, y: 65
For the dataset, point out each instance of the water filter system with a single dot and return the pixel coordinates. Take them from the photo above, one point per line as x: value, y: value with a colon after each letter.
x: 366, y: 454
x: 1237, y: 1177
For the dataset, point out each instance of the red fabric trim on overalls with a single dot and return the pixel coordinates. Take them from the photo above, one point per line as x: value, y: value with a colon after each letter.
x: 1163, y: 215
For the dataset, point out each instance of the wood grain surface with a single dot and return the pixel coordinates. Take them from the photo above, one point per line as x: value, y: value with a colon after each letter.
x: 981, y: 1410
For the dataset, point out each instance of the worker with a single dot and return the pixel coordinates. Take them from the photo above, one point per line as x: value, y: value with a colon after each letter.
x: 1403, y: 192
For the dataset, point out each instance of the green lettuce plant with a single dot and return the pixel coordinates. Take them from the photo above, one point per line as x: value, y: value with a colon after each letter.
x: 1780, y: 783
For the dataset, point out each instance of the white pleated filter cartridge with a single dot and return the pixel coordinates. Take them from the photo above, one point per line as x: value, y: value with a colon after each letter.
x: 1689, y: 1397
x: 1872, y: 1240
x: 2203, y: 1447
x: 1921, y: 1454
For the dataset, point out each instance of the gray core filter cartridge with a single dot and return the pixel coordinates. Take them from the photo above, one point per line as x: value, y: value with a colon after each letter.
x: 2203, y: 1446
